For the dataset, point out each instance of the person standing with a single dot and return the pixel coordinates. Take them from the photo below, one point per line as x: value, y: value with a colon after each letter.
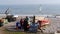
x: 21, y: 22
x: 33, y: 26
x: 25, y: 24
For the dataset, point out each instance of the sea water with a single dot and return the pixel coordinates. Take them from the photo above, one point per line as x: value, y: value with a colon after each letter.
x: 30, y: 9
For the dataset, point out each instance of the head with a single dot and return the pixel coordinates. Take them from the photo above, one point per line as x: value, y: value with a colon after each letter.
x: 26, y: 16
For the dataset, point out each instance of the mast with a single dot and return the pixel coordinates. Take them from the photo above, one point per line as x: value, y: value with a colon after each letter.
x: 6, y: 12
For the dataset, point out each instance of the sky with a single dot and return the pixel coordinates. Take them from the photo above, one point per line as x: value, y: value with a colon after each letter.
x: 19, y: 2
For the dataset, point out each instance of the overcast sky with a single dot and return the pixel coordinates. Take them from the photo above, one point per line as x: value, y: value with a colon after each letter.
x: 19, y: 2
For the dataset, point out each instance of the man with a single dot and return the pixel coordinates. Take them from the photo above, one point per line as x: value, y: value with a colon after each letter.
x: 21, y: 23
x: 33, y: 26
x: 25, y: 24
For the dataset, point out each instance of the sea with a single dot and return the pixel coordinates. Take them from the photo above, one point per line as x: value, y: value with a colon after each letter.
x: 31, y: 9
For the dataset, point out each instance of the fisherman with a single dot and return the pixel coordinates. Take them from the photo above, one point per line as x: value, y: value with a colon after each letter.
x: 33, y: 26
x: 25, y: 24
x: 21, y: 23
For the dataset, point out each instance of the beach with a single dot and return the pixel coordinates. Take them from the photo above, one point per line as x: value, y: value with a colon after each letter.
x: 51, y: 28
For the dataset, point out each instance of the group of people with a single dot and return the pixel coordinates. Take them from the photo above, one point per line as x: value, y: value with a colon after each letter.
x: 32, y: 27
x: 22, y: 24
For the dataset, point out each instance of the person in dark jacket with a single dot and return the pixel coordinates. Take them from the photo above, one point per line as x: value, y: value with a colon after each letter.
x: 22, y: 22
x: 25, y: 24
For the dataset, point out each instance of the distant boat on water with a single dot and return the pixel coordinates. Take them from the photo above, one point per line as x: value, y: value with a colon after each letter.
x: 40, y: 8
x: 45, y: 15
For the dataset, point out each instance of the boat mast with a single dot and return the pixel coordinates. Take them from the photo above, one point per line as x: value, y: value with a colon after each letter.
x: 6, y: 12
